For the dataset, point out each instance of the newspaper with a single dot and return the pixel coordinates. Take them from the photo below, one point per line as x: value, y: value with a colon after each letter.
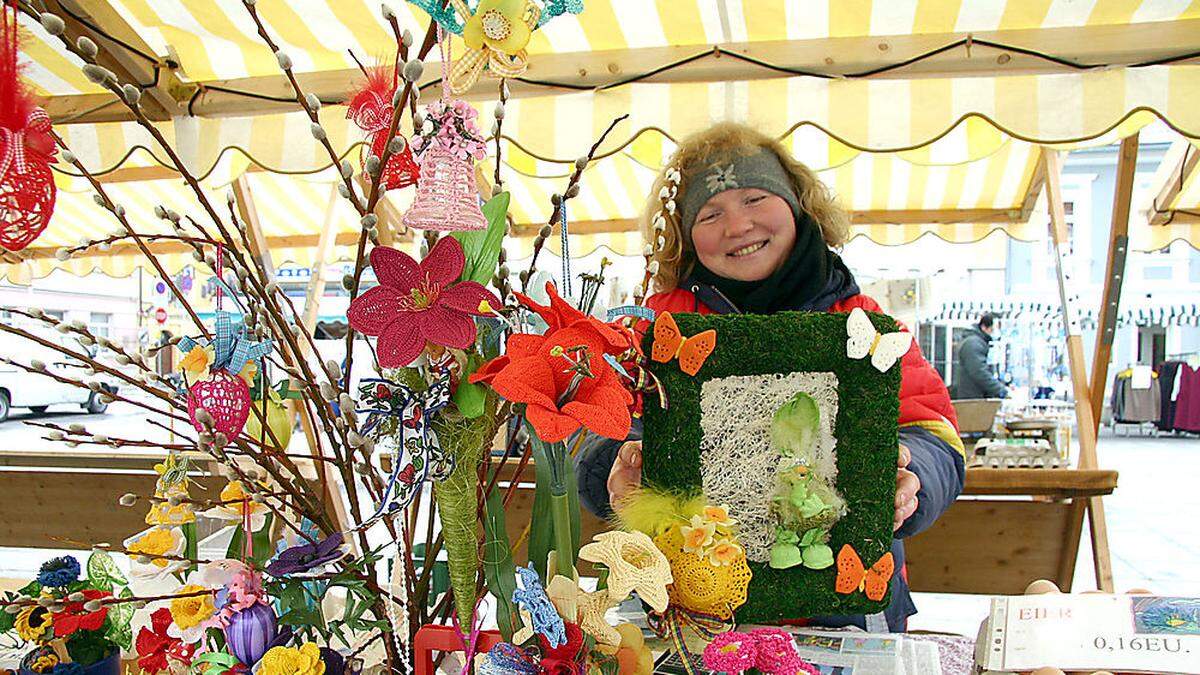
x: 1128, y: 633
x: 842, y: 653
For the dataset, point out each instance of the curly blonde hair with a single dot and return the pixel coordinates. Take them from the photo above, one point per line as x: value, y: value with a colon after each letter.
x: 718, y: 144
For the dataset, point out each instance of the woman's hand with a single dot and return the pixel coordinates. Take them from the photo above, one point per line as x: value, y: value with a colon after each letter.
x: 907, y: 486
x: 626, y: 473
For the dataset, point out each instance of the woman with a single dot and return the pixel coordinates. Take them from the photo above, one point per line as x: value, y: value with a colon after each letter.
x: 752, y: 233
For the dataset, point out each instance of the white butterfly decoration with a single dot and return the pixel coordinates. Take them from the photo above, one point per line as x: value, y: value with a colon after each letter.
x: 863, y: 339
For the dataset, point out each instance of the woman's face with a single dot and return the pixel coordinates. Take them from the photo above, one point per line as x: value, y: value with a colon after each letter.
x: 744, y: 234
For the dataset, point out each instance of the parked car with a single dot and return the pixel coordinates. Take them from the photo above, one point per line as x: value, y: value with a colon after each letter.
x: 21, y: 389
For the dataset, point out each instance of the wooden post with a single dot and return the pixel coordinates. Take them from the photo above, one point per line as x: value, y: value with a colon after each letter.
x: 1084, y: 417
x: 1118, y: 246
x: 248, y: 213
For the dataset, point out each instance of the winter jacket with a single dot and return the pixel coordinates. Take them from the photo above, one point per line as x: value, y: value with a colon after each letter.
x: 973, y: 378
x: 928, y: 428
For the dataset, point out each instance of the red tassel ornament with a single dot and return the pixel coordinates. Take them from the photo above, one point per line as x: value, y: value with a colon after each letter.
x: 27, y: 189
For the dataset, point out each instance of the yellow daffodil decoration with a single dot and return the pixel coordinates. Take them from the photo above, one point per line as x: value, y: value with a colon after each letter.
x: 302, y: 660
x: 495, y: 35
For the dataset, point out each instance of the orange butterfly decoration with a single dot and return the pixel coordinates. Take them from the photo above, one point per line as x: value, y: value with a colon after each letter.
x: 852, y: 576
x: 670, y: 343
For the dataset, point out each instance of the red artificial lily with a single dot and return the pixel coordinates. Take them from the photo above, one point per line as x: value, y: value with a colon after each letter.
x: 537, y: 371
x: 74, y: 617
x: 154, y: 645
x: 416, y: 303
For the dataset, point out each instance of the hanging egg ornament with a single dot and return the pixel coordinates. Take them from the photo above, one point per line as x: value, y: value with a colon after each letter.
x: 27, y: 190
x: 226, y: 399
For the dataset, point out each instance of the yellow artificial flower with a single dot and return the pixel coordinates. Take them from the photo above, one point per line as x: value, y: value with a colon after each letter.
x: 698, y: 536
x: 190, y: 612
x: 719, y: 515
x: 292, y: 661
x: 725, y: 552
x: 248, y: 372
x: 498, y: 24
x: 232, y: 496
x: 34, y: 624
x: 195, y: 364
x: 44, y: 663
x: 162, y: 513
x: 156, y: 542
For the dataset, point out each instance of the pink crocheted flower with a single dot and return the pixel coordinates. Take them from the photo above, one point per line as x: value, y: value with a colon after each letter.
x: 731, y: 652
x: 416, y: 303
x: 776, y: 653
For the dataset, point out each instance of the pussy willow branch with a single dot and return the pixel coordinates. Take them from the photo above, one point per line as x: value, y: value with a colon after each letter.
x: 570, y: 192
x: 81, y: 385
x: 82, y: 331
x: 111, y: 206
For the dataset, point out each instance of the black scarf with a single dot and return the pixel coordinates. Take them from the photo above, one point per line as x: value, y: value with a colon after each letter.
x: 811, y: 279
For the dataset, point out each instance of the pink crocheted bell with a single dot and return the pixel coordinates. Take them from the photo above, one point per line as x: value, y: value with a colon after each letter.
x: 447, y: 198
x: 225, y: 397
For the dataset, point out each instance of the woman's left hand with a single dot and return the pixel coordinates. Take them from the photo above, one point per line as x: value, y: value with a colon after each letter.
x: 907, y: 486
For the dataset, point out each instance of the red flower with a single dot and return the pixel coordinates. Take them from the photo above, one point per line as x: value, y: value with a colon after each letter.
x: 537, y: 371
x: 74, y: 617
x: 416, y: 303
x: 153, y: 644
x: 563, y: 659
x: 407, y: 474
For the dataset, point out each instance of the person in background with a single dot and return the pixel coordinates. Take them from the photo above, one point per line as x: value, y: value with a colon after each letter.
x: 974, y: 377
x: 754, y: 234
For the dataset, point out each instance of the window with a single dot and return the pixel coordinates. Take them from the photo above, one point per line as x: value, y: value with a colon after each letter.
x: 933, y: 345
x: 99, y: 322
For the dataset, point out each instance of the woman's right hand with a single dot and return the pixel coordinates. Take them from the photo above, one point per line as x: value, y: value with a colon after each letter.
x: 626, y: 473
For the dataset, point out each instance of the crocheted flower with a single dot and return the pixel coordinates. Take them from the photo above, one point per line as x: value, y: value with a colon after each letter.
x: 561, y: 660
x: 730, y: 652
x: 163, y: 513
x: 305, y: 660
x: 41, y: 661
x: 416, y: 303
x: 304, y: 557
x: 154, y: 543
x: 192, y: 614
x: 34, y: 623
x: 634, y: 564
x: 154, y: 645
x: 592, y: 608
x: 776, y: 652
x: 498, y: 24
x: 562, y: 376
x: 75, y: 616
x: 58, y: 572
x: 235, y: 497
x: 698, y: 536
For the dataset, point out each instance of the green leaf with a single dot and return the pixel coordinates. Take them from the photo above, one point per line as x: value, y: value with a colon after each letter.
x: 103, y: 572
x: 214, y: 662
x: 263, y: 550
x: 119, y: 617
x: 7, y: 621
x: 482, y: 247
x: 192, y: 539
x: 470, y: 397
x: 498, y: 567
x: 31, y: 589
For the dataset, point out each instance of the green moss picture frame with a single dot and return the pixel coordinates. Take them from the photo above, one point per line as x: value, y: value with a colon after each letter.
x: 865, y: 430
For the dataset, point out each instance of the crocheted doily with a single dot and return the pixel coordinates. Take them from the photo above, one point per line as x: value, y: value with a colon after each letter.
x: 700, y: 586
x: 738, y: 465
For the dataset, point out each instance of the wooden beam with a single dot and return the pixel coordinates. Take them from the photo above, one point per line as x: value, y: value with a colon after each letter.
x: 1110, y: 44
x: 1177, y: 167
x: 1036, y: 183
x: 316, y: 282
x: 248, y: 214
x: 1114, y: 274
x: 931, y: 216
x: 1085, y: 419
x: 157, y: 79
x: 580, y: 227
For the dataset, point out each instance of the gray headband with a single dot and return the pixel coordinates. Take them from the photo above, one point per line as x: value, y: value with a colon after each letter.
x: 761, y: 170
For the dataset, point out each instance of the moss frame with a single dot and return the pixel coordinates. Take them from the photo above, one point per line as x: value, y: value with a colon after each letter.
x: 866, y: 430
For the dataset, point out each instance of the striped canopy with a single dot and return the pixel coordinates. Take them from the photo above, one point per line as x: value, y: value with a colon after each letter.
x: 948, y: 144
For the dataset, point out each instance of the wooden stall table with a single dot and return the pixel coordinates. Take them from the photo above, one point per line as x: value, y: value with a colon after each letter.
x: 1009, y: 527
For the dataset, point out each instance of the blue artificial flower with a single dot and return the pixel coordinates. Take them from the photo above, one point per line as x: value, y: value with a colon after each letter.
x: 58, y: 572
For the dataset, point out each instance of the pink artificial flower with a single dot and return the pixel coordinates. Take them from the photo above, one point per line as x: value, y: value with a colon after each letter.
x: 730, y: 652
x: 416, y: 303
